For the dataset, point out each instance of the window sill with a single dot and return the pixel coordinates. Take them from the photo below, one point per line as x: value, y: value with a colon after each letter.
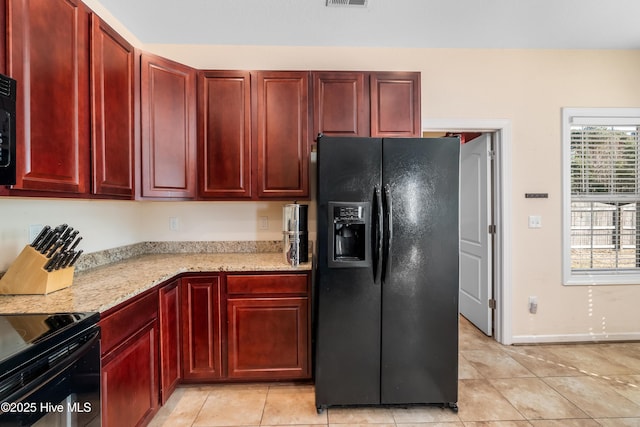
x: 603, y: 279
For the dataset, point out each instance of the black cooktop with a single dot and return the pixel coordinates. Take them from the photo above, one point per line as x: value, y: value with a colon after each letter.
x: 21, y: 334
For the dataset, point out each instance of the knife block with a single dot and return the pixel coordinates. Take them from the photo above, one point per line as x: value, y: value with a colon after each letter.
x: 27, y: 276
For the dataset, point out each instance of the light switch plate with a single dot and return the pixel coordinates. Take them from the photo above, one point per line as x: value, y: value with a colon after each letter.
x: 535, y: 221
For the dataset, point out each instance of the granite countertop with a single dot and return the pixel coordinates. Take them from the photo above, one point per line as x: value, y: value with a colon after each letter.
x: 101, y: 288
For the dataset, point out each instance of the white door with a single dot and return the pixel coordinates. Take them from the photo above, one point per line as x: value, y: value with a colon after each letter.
x: 475, y: 238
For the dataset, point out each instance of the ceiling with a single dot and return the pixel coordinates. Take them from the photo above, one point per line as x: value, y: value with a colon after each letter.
x: 535, y: 24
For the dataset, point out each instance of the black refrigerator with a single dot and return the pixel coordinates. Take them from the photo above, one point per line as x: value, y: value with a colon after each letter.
x: 387, y: 272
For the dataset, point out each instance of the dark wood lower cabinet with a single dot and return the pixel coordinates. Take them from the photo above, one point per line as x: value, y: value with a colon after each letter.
x: 246, y: 326
x: 129, y: 372
x: 213, y: 327
x: 268, y: 338
x: 201, y: 328
x: 129, y: 385
x: 170, y: 345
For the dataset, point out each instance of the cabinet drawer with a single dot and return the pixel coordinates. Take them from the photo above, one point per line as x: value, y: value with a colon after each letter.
x: 267, y: 284
x: 126, y: 320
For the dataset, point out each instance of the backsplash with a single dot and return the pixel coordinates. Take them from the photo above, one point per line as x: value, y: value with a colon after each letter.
x: 108, y: 256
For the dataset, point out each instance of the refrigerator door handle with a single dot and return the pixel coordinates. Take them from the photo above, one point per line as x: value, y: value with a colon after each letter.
x: 387, y: 231
x: 376, y: 232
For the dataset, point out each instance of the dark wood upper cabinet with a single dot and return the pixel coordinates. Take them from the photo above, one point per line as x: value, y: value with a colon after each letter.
x: 340, y: 103
x: 95, y: 119
x: 48, y: 45
x: 224, y: 134
x: 112, y: 111
x: 395, y: 104
x: 283, y: 134
x: 168, y: 116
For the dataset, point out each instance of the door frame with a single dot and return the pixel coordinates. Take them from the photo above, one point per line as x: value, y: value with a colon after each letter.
x: 502, y: 264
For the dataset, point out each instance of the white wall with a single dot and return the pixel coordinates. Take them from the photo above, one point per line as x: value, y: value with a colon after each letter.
x: 526, y: 87
x: 212, y: 220
x: 110, y: 224
x: 102, y: 224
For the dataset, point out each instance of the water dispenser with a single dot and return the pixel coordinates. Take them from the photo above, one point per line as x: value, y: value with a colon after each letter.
x: 349, y: 234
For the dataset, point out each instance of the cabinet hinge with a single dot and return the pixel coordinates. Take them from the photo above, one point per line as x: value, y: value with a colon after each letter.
x: 492, y: 154
x: 492, y: 229
x: 492, y: 304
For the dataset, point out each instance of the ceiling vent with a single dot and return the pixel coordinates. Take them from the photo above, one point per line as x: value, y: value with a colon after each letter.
x: 348, y: 3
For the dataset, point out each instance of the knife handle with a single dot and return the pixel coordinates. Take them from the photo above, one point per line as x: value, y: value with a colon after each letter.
x: 54, y: 248
x: 75, y: 258
x: 41, y: 235
x: 49, y: 265
x: 46, y: 243
x: 75, y: 243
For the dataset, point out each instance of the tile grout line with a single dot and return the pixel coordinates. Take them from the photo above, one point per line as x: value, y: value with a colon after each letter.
x: 264, y: 406
x: 573, y: 368
x: 204, y: 401
x: 534, y: 375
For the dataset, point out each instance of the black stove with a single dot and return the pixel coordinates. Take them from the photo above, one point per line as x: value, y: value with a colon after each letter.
x: 21, y: 334
x: 49, y: 369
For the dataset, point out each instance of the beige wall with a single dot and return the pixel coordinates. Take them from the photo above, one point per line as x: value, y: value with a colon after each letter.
x: 526, y: 87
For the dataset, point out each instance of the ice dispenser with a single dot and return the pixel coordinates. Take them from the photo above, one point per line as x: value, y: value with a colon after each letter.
x: 349, y: 234
x: 295, y: 233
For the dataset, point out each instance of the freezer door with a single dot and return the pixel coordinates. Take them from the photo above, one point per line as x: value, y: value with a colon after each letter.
x: 348, y: 298
x: 420, y: 289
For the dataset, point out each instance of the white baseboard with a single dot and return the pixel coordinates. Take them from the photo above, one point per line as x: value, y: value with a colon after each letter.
x: 576, y: 338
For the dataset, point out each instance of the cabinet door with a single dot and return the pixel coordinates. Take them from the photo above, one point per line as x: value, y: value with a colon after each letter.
x: 48, y: 55
x: 170, y: 329
x: 268, y: 338
x: 112, y: 118
x: 224, y: 136
x: 340, y: 103
x: 283, y: 134
x: 395, y: 104
x: 129, y: 387
x: 168, y: 128
x: 201, y: 333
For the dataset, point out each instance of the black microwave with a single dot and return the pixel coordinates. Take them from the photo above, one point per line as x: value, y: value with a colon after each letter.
x: 7, y: 130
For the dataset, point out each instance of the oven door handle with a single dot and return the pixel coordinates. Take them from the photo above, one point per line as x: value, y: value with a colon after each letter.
x: 50, y: 374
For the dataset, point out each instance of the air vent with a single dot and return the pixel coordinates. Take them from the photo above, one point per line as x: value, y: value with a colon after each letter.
x: 349, y: 3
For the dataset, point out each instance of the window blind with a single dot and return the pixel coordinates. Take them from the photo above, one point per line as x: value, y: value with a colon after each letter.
x: 605, y: 190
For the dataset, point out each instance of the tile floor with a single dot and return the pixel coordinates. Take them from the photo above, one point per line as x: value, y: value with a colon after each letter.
x: 579, y: 385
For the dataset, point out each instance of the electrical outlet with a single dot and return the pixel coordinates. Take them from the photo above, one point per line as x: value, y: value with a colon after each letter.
x: 533, y: 305
x: 173, y: 223
x: 264, y: 223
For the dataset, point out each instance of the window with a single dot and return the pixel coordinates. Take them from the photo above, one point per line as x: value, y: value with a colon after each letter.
x: 601, y: 187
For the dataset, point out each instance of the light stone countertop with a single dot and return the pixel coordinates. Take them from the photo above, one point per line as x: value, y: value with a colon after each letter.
x: 101, y: 288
